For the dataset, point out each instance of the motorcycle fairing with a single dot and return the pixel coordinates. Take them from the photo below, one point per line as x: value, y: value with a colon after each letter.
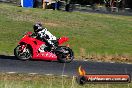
x: 35, y: 44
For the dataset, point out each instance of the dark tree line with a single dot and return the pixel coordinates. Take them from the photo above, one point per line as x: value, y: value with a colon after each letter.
x: 84, y: 2
x: 126, y: 3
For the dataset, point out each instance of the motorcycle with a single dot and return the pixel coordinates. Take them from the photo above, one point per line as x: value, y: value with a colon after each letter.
x: 30, y: 47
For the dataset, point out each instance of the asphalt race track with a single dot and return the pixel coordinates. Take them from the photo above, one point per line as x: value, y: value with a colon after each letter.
x: 10, y: 64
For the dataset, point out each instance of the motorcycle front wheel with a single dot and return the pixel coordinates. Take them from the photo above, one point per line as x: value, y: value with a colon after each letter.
x: 22, y: 54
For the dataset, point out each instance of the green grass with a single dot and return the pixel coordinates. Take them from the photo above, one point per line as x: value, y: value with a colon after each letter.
x: 42, y: 81
x: 89, y: 33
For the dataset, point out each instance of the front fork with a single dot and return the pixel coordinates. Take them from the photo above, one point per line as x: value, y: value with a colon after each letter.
x: 23, y: 48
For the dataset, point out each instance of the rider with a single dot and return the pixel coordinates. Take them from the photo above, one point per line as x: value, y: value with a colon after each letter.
x: 44, y: 35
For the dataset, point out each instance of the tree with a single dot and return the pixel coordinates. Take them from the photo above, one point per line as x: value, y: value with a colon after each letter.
x: 113, y: 3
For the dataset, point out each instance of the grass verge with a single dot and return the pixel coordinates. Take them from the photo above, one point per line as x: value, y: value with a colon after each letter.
x: 92, y: 36
x: 42, y: 81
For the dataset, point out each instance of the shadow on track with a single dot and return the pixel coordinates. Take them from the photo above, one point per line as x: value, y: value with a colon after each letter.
x: 8, y: 57
x: 14, y: 58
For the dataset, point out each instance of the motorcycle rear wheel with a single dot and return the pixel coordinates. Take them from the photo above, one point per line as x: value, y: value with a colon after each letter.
x: 65, y: 54
x: 22, y: 54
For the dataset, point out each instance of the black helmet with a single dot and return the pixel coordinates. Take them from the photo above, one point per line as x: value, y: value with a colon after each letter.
x: 37, y: 27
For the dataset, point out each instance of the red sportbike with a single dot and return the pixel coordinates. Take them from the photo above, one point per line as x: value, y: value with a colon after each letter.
x: 30, y: 47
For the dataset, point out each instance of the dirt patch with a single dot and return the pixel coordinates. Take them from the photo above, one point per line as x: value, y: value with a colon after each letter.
x: 104, y: 57
x: 107, y: 58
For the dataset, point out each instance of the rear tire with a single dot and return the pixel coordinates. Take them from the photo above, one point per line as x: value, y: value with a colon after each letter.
x: 21, y: 54
x: 64, y: 54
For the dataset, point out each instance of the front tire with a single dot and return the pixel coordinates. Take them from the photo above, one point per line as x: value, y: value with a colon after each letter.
x: 24, y: 54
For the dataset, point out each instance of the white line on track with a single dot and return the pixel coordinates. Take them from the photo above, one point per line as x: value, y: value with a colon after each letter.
x: 49, y: 74
x: 32, y: 73
x: 11, y: 72
x: 64, y: 75
x: 112, y: 62
x: 85, y: 60
x: 128, y: 63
